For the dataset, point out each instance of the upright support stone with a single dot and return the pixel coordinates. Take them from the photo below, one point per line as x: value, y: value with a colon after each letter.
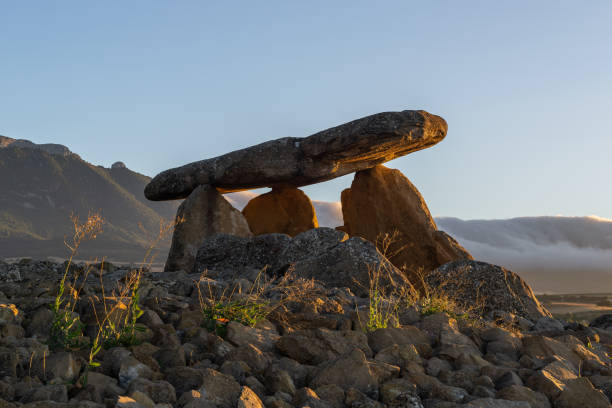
x: 383, y: 201
x: 204, y: 213
x: 284, y: 210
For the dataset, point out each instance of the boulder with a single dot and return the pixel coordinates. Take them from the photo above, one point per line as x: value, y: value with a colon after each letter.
x: 351, y: 370
x: 232, y: 254
x: 322, y: 253
x: 285, y: 210
x: 520, y: 393
x: 383, y: 201
x: 603, y: 322
x: 203, y: 214
x: 291, y: 161
x: 579, y: 392
x: 485, y: 288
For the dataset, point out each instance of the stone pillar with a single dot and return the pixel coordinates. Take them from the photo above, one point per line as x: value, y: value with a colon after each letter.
x: 282, y: 210
x: 204, y: 212
x: 383, y: 201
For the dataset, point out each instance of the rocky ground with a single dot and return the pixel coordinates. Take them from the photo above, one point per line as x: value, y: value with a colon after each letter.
x: 310, y: 348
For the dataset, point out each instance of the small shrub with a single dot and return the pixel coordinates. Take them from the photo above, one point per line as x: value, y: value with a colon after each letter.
x: 383, y: 307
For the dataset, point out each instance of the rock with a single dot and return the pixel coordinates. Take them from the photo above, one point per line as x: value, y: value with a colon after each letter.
x: 321, y: 345
x: 279, y: 380
x: 550, y: 381
x: 220, y: 389
x: 239, y: 370
x: 383, y: 201
x: 61, y: 365
x: 579, y: 392
x: 203, y: 214
x: 290, y: 161
x: 158, y: 391
x: 547, y: 324
x: 184, y: 379
x: 323, y: 254
x: 496, y: 403
x: 52, y: 392
x: 228, y: 252
x: 543, y: 348
x: 485, y: 288
x: 248, y: 399
x: 251, y: 355
x: 602, y: 322
x: 170, y: 357
x: 331, y: 394
x: 436, y: 365
x: 306, y: 397
x: 241, y: 335
x: 383, y: 338
x: 351, y: 370
x: 349, y: 265
x: 8, y: 362
x: 520, y: 393
x: 398, y: 390
x: 131, y: 369
x: 285, y: 211
x: 397, y: 355
x: 356, y: 398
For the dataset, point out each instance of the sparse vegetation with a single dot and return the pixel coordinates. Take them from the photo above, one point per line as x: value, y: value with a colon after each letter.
x: 66, y: 328
x: 249, y: 306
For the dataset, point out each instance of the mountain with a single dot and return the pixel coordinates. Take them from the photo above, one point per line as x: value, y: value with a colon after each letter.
x: 41, y: 185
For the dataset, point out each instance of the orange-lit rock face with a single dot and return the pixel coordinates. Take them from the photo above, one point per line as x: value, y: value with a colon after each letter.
x: 296, y: 162
x: 383, y: 201
x: 287, y: 211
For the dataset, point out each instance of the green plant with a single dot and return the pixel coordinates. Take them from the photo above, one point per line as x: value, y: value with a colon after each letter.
x: 219, y: 314
x: 383, y: 307
x: 66, y: 328
x: 265, y: 298
x: 121, y: 310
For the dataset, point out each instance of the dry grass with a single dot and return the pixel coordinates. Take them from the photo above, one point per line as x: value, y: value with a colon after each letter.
x: 250, y: 303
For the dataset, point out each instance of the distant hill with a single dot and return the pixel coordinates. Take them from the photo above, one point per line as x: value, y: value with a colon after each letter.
x: 41, y: 185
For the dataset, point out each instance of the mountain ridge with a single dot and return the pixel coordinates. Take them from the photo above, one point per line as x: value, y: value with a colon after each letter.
x: 42, y: 185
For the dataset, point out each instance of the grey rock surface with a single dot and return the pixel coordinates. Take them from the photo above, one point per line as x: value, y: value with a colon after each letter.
x: 486, y: 288
x: 204, y: 213
x: 323, y: 254
x: 292, y: 161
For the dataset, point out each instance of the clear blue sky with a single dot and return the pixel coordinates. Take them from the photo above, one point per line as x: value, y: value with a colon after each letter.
x: 525, y: 86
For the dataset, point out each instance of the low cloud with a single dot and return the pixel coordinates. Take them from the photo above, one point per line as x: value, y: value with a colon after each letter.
x: 553, y: 254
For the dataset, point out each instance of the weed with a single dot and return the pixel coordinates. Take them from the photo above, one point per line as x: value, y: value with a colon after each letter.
x: 66, y: 328
x: 265, y: 297
x: 384, y: 307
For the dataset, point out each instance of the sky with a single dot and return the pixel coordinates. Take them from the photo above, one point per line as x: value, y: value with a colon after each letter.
x: 526, y: 88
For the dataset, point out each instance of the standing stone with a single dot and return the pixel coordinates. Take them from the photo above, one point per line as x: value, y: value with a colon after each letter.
x: 286, y: 211
x: 204, y: 213
x: 383, y: 201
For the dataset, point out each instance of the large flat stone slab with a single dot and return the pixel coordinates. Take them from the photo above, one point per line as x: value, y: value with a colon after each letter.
x: 296, y: 162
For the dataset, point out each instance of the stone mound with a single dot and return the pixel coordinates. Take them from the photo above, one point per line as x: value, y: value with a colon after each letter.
x: 487, y: 288
x: 324, y: 254
x: 317, y: 353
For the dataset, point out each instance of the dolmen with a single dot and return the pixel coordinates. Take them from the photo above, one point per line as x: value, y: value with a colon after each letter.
x: 381, y: 206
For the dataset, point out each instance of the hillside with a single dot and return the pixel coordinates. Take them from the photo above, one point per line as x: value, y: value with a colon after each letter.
x: 42, y: 185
